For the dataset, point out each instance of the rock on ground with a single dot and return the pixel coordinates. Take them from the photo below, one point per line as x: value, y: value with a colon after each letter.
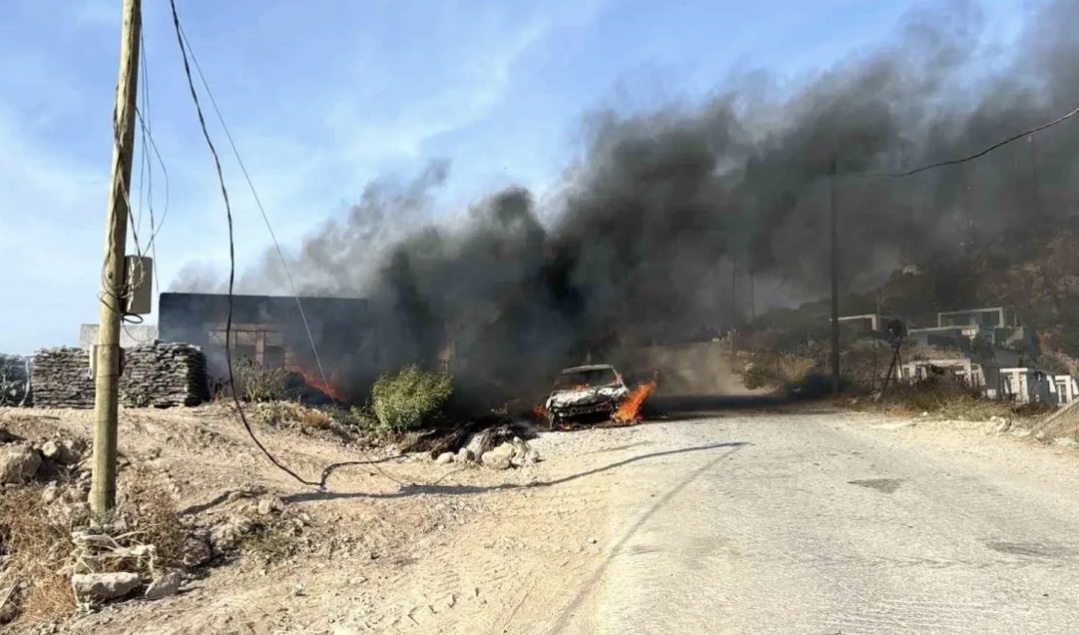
x: 18, y: 465
x: 197, y: 550
x: 62, y: 452
x: 270, y: 504
x: 500, y: 458
x: 445, y: 458
x: 164, y: 586
x: 103, y: 586
x: 227, y: 536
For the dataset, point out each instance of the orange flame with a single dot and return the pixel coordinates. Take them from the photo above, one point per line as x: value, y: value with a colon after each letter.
x: 539, y: 412
x: 630, y: 410
x: 326, y: 387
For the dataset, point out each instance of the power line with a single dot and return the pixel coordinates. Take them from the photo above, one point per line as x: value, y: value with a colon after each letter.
x: 146, y: 188
x: 232, y: 255
x: 277, y: 244
x: 143, y: 115
x: 185, y: 48
x: 262, y: 209
x: 976, y: 155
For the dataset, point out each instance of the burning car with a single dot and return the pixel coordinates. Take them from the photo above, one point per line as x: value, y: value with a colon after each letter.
x: 586, y: 391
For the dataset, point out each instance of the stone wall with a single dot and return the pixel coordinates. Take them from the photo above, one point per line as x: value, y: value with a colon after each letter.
x: 159, y: 374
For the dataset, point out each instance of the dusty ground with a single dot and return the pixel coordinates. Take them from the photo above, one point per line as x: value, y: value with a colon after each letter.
x: 401, y: 544
x: 783, y: 520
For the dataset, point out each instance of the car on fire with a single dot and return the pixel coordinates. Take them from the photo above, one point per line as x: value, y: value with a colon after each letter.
x: 586, y: 392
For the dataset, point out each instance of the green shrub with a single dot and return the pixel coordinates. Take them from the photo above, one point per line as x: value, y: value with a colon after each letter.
x: 363, y: 417
x: 409, y: 399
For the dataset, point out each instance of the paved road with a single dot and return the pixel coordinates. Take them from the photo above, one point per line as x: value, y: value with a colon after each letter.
x: 812, y: 524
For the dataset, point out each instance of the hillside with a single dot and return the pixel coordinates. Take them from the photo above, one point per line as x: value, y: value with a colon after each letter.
x: 1030, y: 268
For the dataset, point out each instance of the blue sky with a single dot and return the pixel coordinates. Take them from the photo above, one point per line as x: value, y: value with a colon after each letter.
x: 324, y: 96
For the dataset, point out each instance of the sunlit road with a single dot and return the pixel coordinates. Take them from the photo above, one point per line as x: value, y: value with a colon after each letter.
x: 821, y: 526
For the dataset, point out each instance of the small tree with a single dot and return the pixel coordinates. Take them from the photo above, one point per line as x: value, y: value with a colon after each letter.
x: 409, y: 399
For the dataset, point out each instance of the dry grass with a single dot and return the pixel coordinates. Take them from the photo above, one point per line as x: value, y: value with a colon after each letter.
x: 1063, y: 424
x: 283, y: 413
x: 39, y: 554
x: 36, y: 546
x: 151, y: 514
x: 951, y: 400
x: 314, y: 418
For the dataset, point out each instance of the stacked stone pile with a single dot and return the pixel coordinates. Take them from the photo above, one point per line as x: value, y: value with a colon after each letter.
x: 165, y: 374
x: 61, y: 378
x: 160, y: 374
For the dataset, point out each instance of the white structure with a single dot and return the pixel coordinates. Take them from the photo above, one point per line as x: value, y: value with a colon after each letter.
x: 868, y: 323
x: 962, y: 368
x: 1027, y: 385
x: 1064, y: 389
x: 131, y: 335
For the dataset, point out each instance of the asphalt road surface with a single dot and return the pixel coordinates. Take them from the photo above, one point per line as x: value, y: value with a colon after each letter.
x: 819, y: 525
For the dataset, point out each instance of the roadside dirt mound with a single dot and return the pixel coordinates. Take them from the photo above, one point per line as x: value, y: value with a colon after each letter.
x: 1060, y: 427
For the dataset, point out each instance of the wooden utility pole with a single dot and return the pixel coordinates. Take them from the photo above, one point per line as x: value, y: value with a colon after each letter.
x: 834, y: 265
x: 107, y: 367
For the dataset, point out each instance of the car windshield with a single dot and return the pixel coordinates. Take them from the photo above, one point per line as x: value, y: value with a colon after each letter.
x: 588, y: 378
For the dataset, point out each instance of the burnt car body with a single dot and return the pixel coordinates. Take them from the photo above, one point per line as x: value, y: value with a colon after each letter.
x: 583, y: 392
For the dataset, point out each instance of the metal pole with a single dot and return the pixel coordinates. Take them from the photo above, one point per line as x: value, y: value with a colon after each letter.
x: 107, y: 375
x: 834, y: 265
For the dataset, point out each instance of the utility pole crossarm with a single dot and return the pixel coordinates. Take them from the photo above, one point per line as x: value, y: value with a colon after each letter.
x: 107, y: 366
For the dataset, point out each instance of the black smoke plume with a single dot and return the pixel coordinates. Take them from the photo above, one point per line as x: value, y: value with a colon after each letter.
x: 671, y: 215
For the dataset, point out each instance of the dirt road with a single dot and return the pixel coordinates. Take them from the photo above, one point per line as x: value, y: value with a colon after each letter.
x: 757, y: 522
x: 780, y: 523
x: 819, y: 525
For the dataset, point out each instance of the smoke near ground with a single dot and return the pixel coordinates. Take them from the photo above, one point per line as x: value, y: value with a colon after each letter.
x: 665, y: 204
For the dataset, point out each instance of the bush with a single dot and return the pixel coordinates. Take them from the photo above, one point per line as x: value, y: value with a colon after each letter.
x: 258, y: 383
x: 363, y: 417
x: 409, y: 399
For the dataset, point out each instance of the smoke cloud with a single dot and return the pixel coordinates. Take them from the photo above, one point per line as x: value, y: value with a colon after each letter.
x: 671, y: 215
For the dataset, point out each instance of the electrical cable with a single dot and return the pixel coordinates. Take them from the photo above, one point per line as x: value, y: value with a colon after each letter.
x: 262, y: 209
x: 976, y: 155
x: 276, y: 243
x: 232, y: 257
x: 148, y: 140
x: 146, y: 191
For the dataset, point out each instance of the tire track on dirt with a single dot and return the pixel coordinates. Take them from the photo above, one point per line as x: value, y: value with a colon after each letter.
x: 567, y: 614
x: 478, y: 580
